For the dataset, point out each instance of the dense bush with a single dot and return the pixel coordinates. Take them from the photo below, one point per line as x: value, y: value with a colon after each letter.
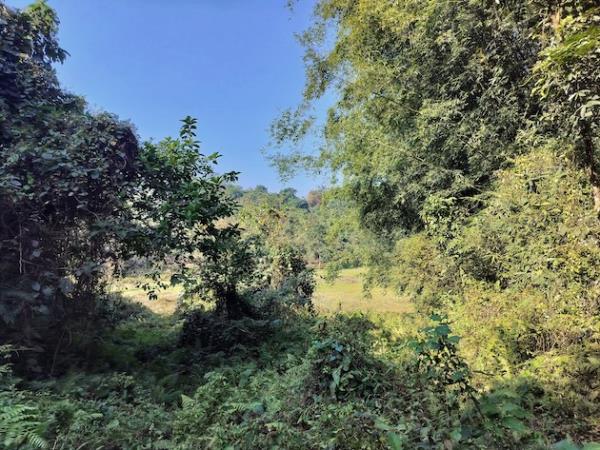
x: 212, y: 332
x: 65, y: 176
x: 77, y: 192
x: 519, y: 281
x: 340, y: 383
x: 289, y: 272
x: 268, y: 287
x: 534, y: 255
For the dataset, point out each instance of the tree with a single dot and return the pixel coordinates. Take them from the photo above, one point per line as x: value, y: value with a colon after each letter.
x: 77, y: 191
x: 289, y: 196
x: 65, y: 178
x: 435, y: 98
x: 314, y: 198
x: 432, y: 98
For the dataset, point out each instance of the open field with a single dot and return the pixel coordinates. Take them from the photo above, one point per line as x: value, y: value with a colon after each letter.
x: 131, y: 289
x: 343, y: 294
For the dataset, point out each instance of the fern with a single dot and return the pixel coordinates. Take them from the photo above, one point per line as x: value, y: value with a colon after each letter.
x: 20, y: 426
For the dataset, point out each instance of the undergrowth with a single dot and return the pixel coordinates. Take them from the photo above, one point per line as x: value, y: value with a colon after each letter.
x: 297, y: 382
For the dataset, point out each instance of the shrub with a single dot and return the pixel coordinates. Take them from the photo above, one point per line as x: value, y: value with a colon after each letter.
x: 519, y: 282
x: 340, y: 364
x: 212, y: 332
x: 21, y: 425
x: 77, y: 191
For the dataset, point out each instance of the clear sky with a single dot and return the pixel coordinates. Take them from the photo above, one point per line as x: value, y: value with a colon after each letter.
x: 232, y: 64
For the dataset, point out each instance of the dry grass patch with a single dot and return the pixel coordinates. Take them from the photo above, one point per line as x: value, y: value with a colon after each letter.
x: 345, y: 294
x: 131, y: 289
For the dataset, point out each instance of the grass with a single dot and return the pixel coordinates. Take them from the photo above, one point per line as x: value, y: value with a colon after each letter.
x: 131, y: 289
x: 344, y: 294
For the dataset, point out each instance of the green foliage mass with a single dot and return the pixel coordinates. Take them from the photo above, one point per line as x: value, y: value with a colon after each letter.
x: 466, y: 134
x: 434, y: 97
x: 78, y: 193
x: 519, y: 281
x: 325, y: 228
x: 346, y: 382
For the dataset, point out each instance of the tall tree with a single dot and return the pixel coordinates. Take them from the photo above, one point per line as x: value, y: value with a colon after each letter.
x: 432, y: 97
x: 77, y: 190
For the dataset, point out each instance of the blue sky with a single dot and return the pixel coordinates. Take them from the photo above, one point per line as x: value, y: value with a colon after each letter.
x: 232, y: 64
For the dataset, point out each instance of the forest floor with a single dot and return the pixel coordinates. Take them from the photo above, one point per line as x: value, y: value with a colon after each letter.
x: 344, y: 294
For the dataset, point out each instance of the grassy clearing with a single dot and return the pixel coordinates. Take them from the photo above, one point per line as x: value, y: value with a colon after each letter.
x: 131, y: 289
x: 345, y: 294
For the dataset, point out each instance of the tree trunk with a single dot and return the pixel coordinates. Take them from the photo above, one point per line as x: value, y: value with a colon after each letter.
x: 594, y: 176
x: 232, y: 305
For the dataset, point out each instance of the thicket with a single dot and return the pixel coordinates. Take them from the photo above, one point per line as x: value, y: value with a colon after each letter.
x: 80, y: 196
x: 467, y: 134
x: 519, y: 282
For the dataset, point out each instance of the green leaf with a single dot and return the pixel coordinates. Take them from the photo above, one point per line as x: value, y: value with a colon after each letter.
x: 514, y: 424
x: 381, y: 424
x: 186, y: 401
x: 442, y: 330
x: 395, y: 441
x: 456, y: 435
